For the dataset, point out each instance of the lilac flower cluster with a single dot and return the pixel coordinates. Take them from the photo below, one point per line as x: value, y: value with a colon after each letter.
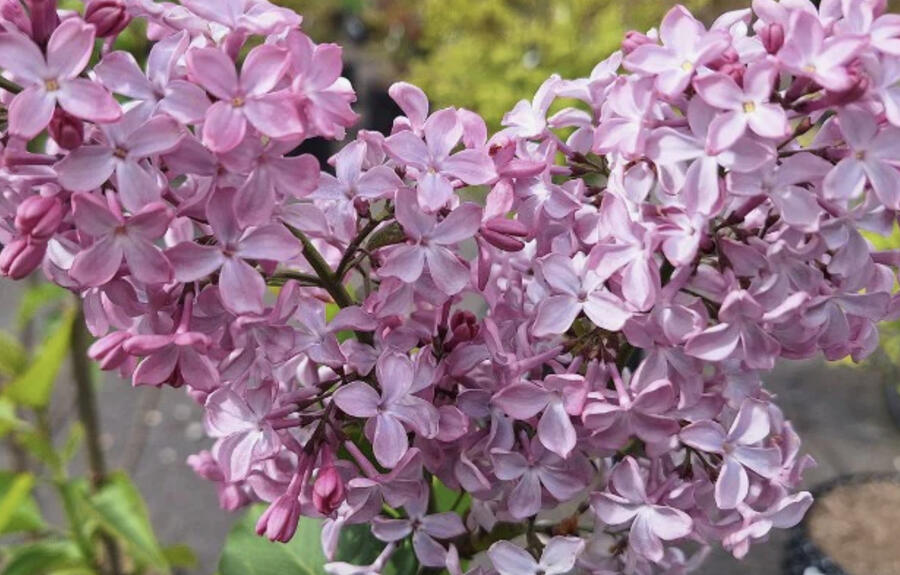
x: 566, y: 322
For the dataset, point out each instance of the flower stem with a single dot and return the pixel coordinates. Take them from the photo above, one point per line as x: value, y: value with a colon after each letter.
x: 9, y: 86
x: 87, y: 414
x: 331, y: 283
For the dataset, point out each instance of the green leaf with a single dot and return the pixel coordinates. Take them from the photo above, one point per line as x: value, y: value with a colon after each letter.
x: 18, y: 510
x: 34, y: 385
x: 120, y: 510
x: 43, y: 557
x: 246, y: 553
x: 36, y: 298
x: 9, y: 420
x: 180, y: 556
x: 73, y: 442
x: 13, y: 357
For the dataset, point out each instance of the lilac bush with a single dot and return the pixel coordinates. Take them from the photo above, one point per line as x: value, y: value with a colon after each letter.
x: 566, y: 322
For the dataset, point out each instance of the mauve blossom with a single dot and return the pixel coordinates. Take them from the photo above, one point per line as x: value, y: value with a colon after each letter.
x: 431, y: 244
x: 746, y: 107
x: 739, y: 448
x: 128, y: 144
x: 246, y: 99
x: 435, y: 164
x: 687, y: 47
x: 54, y: 79
x: 807, y: 52
x: 395, y: 406
x: 242, y: 287
x: 118, y: 238
x: 239, y: 419
x: 651, y: 523
x: 558, y: 557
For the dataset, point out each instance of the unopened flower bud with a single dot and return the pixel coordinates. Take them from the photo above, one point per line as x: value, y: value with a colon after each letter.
x: 328, y: 490
x: 39, y: 217
x: 110, y: 17
x: 772, y: 37
x: 44, y: 19
x: 279, y: 521
x: 109, y: 352
x: 12, y: 11
x: 21, y: 257
x: 66, y: 130
x: 634, y: 39
x: 464, y: 327
x: 502, y: 242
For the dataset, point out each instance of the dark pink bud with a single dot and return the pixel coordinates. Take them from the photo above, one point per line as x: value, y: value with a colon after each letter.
x: 328, y: 490
x: 507, y: 227
x: 502, y: 242
x: 44, y: 19
x: 39, y: 217
x: 634, y: 39
x: 109, y: 352
x: 110, y: 17
x: 772, y: 37
x: 12, y: 11
x: 21, y: 257
x: 66, y: 130
x: 464, y: 327
x: 279, y: 521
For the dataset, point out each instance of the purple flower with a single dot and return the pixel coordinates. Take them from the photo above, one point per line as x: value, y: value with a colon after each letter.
x: 395, y: 406
x: 435, y: 166
x: 248, y: 98
x: 739, y: 448
x: 239, y: 420
x: 425, y: 529
x: 651, y: 523
x: 807, y: 52
x: 118, y: 238
x: 54, y: 79
x: 128, y: 144
x: 576, y: 288
x: 241, y: 286
x: 746, y: 107
x: 558, y: 558
x: 687, y: 46
x: 432, y: 241
x: 537, y: 469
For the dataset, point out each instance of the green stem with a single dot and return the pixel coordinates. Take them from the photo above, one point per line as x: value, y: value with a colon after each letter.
x: 87, y: 414
x: 331, y: 283
x: 9, y: 86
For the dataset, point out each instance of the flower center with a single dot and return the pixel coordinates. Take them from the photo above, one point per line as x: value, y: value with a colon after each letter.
x: 749, y: 107
x: 52, y: 85
x: 810, y: 68
x: 120, y: 153
x: 237, y: 102
x: 861, y: 155
x: 687, y: 65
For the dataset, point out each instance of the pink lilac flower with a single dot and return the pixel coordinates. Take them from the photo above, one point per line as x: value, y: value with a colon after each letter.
x: 431, y: 240
x: 117, y: 238
x: 54, y: 79
x: 651, y: 522
x: 687, y: 47
x: 395, y: 406
x: 739, y: 448
x: 250, y: 98
x: 746, y: 107
x: 558, y: 558
x: 128, y: 143
x: 435, y: 164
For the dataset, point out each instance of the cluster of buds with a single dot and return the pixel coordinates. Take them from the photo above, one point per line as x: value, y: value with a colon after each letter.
x: 572, y: 315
